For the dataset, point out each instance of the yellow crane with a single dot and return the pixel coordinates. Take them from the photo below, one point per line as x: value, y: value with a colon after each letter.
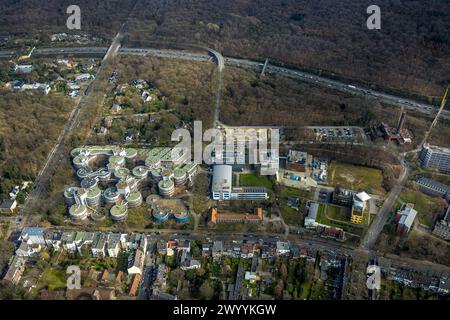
x: 443, y: 102
x: 25, y: 57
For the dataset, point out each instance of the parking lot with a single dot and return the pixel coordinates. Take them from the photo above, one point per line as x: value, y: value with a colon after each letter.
x: 338, y: 134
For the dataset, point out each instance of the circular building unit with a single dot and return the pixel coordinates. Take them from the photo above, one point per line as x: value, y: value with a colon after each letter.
x: 103, y: 174
x: 78, y: 212
x: 111, y: 195
x: 134, y: 199
x: 181, y: 216
x: 160, y: 215
x: 166, y: 188
x: 119, y: 212
x: 93, y: 197
x: 84, y: 172
x: 140, y: 172
x: 156, y: 174
x: 81, y: 161
x: 75, y: 152
x: 167, y: 174
x: 180, y: 177
x: 117, y: 161
x: 152, y: 200
x: 130, y: 153
x: 69, y: 195
x: 121, y: 173
x: 89, y: 183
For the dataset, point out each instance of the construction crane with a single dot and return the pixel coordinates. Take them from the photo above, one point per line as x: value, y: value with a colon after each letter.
x: 25, y: 57
x: 443, y: 102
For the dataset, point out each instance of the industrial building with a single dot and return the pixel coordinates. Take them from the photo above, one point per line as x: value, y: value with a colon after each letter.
x: 436, y: 158
x: 222, y: 188
x: 398, y: 134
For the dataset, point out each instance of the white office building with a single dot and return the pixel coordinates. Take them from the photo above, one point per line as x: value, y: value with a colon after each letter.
x: 222, y: 188
x: 436, y: 158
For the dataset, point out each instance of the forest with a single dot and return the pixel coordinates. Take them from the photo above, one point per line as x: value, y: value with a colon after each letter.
x: 408, y: 55
x: 38, y: 20
x: 29, y: 127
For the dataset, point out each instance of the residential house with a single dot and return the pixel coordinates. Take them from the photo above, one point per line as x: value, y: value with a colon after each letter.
x: 161, y: 247
x: 217, y: 249
x: 137, y: 265
x: 207, y: 249
x: 184, y: 245
x: 161, y: 277
x: 135, y: 285
x: 83, y: 76
x: 405, y: 218
x: 444, y: 285
x: 171, y: 246
x: 23, y: 69
x: 53, y: 239
x: 68, y: 241
x: 15, y: 270
x: 33, y: 235
x: 282, y: 248
x: 28, y: 250
x: 79, y: 238
x: 99, y: 246
x: 247, y: 250
x: 114, y: 245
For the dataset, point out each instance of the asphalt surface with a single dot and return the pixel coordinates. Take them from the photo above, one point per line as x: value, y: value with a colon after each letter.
x: 383, y: 214
x: 244, y: 63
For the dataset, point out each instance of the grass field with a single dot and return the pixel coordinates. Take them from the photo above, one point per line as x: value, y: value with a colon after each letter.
x: 252, y: 180
x: 53, y: 279
x: 3, y: 230
x: 426, y: 206
x: 138, y: 217
x: 356, y: 178
x: 336, y: 213
x: 292, y: 216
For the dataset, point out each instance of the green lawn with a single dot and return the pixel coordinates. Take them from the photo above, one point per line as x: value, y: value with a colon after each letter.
x: 252, y: 180
x: 356, y: 178
x: 291, y: 216
x: 138, y: 217
x: 287, y: 192
x: 53, y: 279
x: 426, y: 206
x: 3, y: 231
x: 336, y: 212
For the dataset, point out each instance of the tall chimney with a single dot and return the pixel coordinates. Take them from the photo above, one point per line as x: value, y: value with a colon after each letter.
x: 401, y: 122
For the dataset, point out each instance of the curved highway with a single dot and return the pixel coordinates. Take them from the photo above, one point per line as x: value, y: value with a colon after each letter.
x: 293, y: 73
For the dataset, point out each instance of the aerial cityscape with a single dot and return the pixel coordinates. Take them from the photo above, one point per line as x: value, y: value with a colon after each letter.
x: 224, y: 150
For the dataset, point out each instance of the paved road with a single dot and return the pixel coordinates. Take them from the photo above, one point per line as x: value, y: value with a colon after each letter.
x: 244, y: 63
x: 57, y: 153
x: 383, y: 214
